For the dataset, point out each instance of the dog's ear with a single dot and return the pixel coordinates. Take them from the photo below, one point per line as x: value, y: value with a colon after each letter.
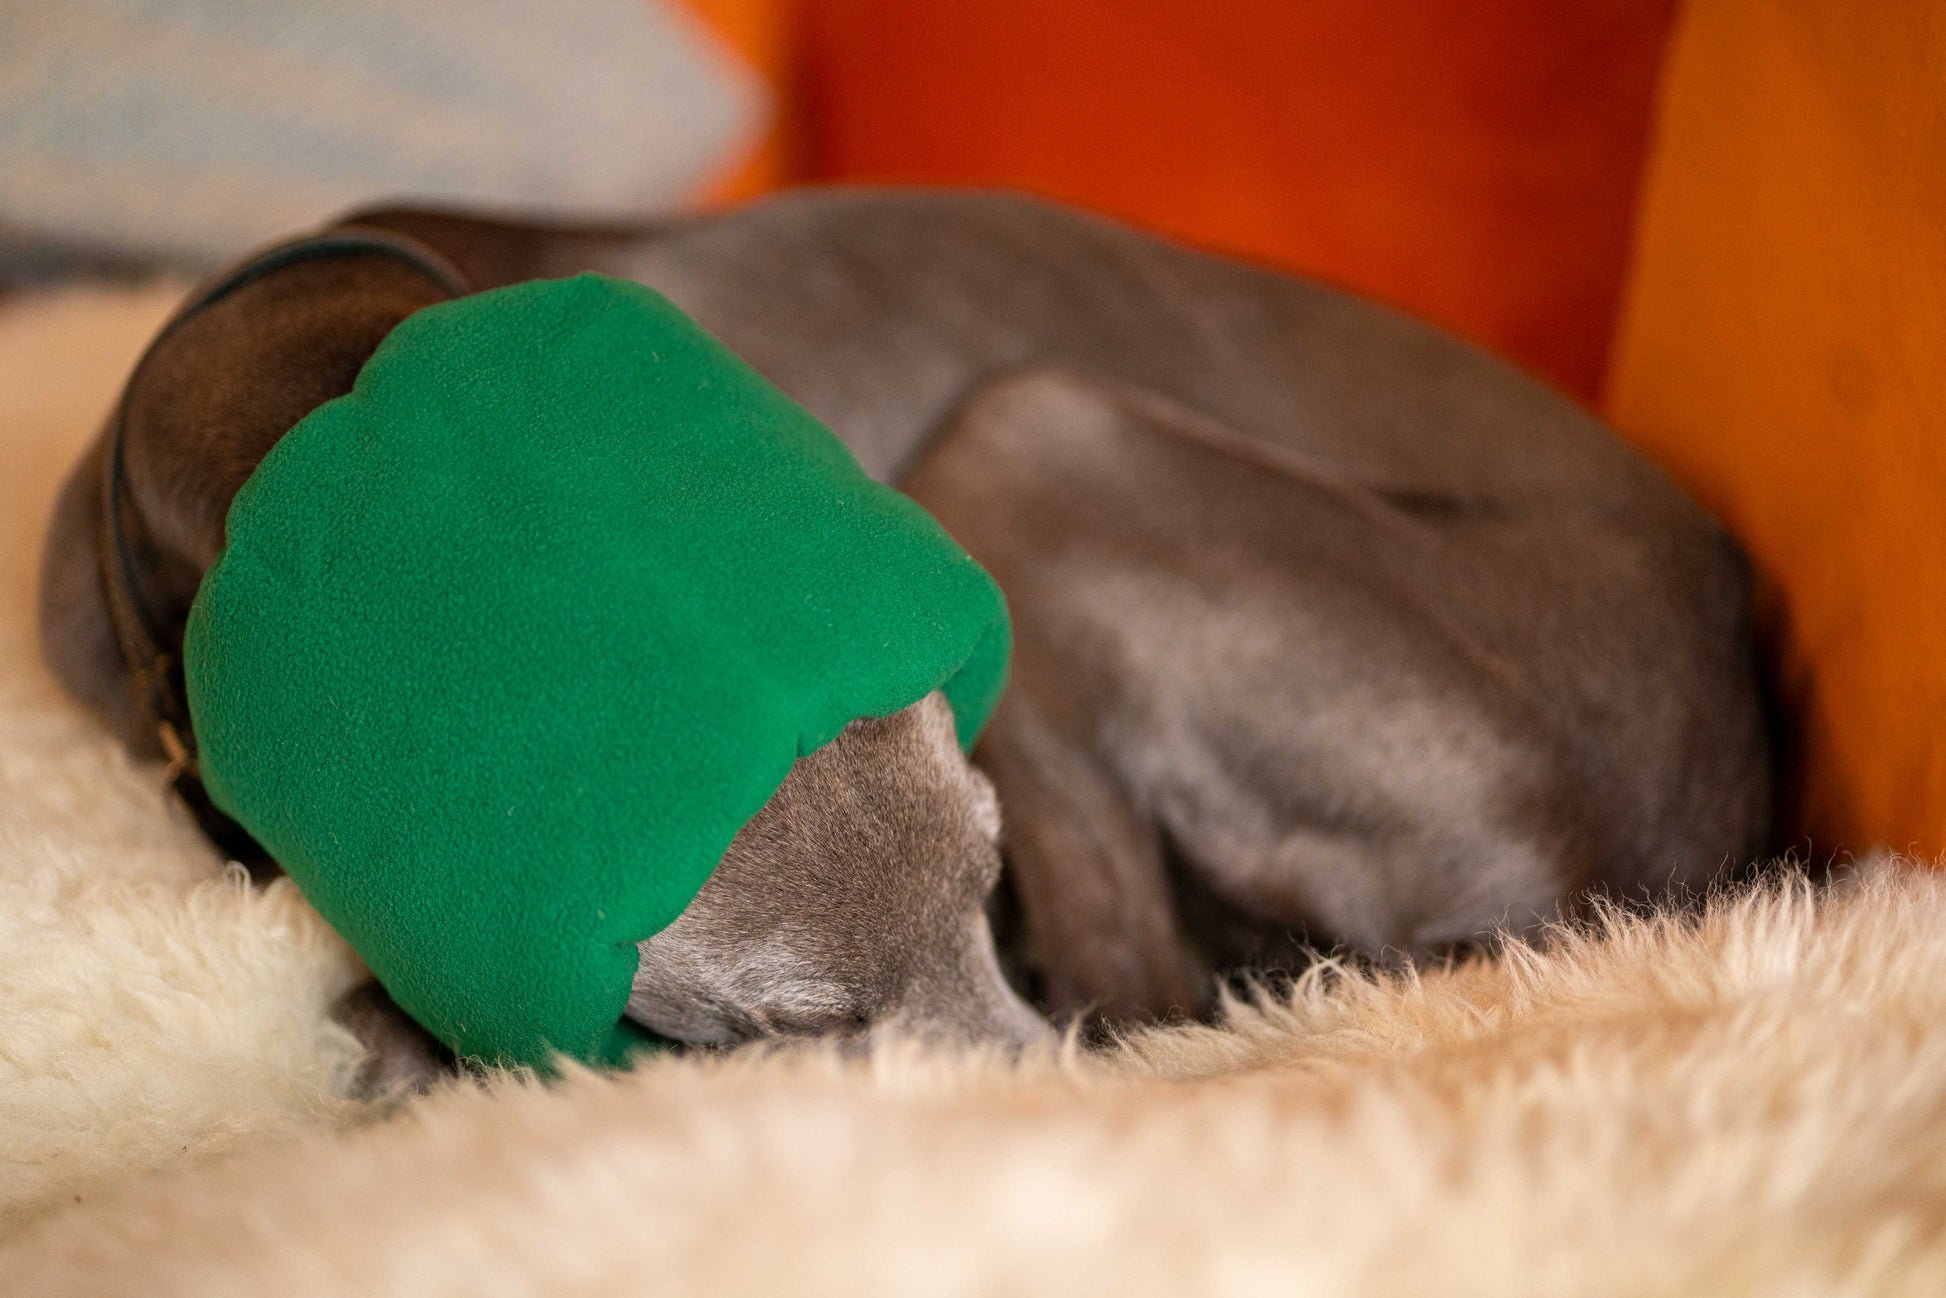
x: 225, y: 384
x: 202, y: 408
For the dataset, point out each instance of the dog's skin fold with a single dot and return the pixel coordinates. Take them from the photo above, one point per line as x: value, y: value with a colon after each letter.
x: 1331, y: 630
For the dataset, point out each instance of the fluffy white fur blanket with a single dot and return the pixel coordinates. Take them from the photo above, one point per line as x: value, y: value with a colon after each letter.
x: 1753, y: 1102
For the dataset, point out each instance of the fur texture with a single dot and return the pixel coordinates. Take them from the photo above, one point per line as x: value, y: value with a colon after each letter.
x: 153, y: 1007
x: 1753, y: 1102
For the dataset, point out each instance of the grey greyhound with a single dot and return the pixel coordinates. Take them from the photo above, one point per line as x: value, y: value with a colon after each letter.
x: 1331, y: 631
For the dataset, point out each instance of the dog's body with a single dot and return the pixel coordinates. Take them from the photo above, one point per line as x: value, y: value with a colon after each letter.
x: 1330, y: 629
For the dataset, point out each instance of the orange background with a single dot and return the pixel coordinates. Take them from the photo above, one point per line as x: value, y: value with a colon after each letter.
x: 1784, y: 354
x: 1474, y: 161
x: 1482, y: 163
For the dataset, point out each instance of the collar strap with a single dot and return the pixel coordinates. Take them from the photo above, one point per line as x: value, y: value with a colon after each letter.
x: 153, y: 657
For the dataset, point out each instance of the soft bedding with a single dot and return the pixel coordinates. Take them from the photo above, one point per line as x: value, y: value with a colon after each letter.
x: 1752, y: 1101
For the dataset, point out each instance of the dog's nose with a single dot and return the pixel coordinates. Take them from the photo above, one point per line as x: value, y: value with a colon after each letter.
x: 986, y: 1013
x: 1011, y: 1034
x: 1019, y: 1025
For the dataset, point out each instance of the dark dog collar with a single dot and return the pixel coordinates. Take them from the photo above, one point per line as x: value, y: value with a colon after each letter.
x: 152, y: 656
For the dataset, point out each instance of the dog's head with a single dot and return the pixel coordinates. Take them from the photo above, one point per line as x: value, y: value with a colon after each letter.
x: 853, y: 902
x: 854, y: 899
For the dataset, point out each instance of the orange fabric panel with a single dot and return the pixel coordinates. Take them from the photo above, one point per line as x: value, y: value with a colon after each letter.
x: 758, y: 32
x: 1475, y: 161
x: 1781, y: 353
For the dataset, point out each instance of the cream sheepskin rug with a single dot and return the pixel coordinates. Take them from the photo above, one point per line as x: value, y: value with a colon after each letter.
x: 1748, y: 1102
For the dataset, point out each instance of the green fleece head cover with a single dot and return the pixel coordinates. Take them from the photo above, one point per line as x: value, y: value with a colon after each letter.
x: 508, y: 643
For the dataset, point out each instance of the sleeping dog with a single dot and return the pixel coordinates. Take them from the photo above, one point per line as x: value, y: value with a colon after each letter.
x: 1331, y: 631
